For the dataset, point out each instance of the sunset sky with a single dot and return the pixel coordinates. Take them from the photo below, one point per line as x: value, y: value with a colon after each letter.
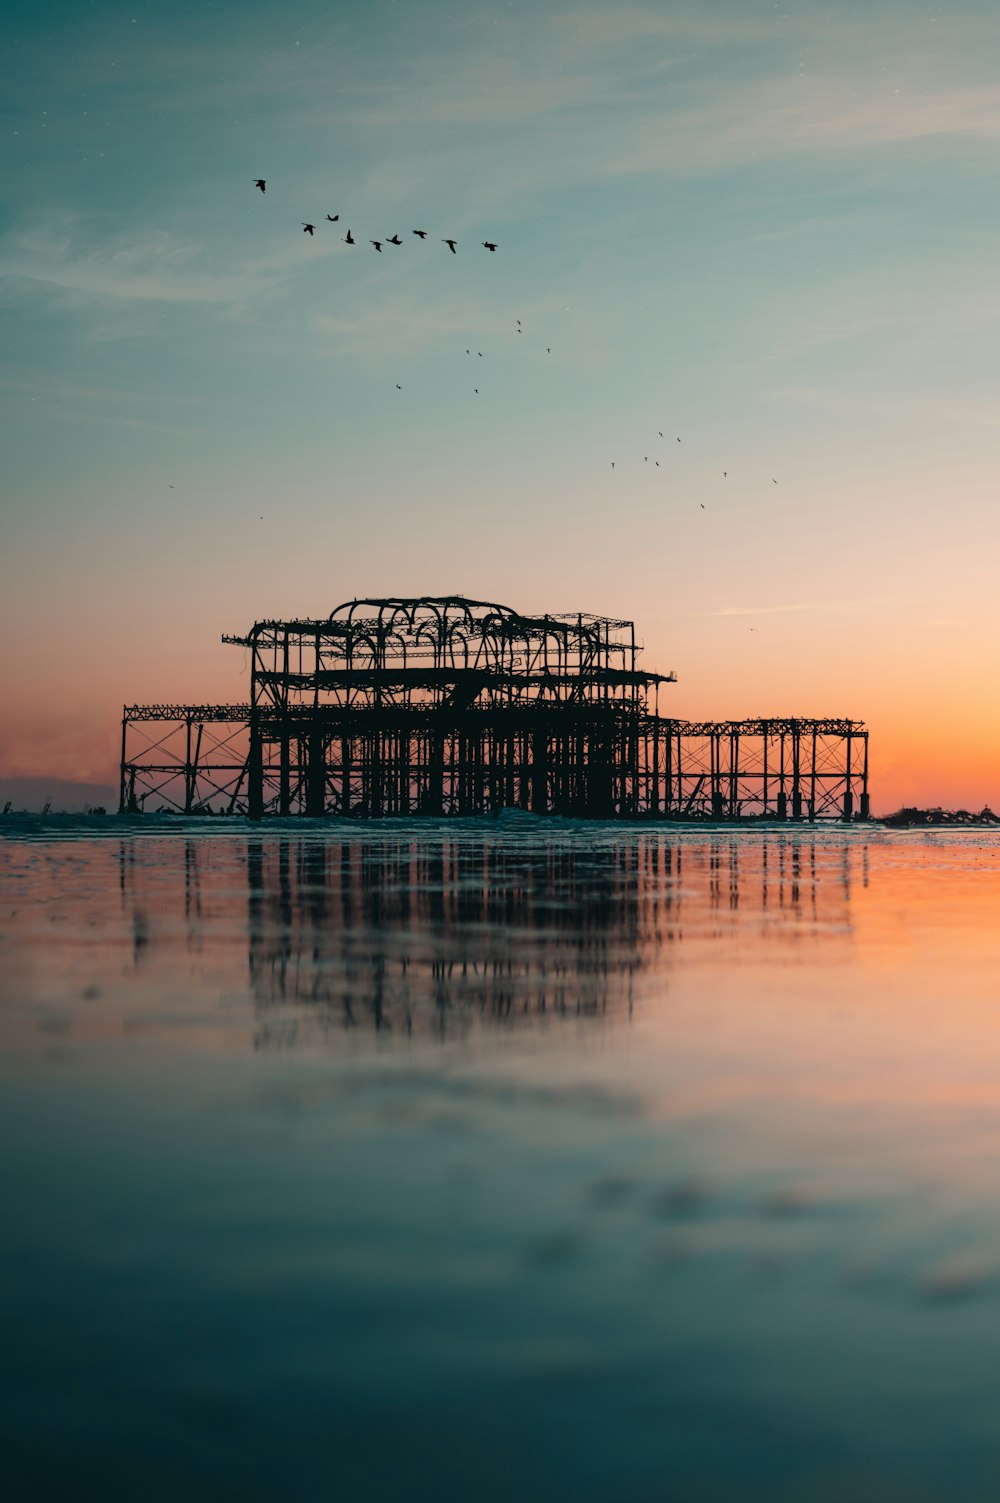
x: 770, y: 230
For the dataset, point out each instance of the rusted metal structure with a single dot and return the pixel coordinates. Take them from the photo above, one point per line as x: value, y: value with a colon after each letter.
x: 447, y: 706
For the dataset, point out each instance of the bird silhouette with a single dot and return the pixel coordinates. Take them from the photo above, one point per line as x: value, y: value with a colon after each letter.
x: 480, y: 354
x: 377, y: 244
x: 394, y: 240
x: 490, y: 245
x: 451, y: 246
x: 349, y: 239
x: 724, y: 474
x: 260, y: 183
x: 612, y: 464
x: 658, y: 431
x: 657, y: 463
x: 333, y: 218
x: 398, y: 387
x: 773, y: 481
x: 702, y: 505
x: 645, y: 459
x: 421, y: 233
x: 468, y: 352
x: 476, y: 390
x: 678, y: 440
x: 547, y: 350
x: 307, y: 229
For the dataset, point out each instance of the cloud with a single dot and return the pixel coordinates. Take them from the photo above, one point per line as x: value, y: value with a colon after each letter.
x: 152, y: 266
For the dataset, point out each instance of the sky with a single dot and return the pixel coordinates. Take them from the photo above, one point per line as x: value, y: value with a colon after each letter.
x: 769, y: 230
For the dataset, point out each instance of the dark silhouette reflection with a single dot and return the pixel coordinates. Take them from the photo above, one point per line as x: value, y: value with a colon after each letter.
x: 440, y: 934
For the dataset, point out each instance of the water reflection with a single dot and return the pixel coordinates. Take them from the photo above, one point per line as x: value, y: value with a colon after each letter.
x: 442, y: 934
x: 578, y: 1147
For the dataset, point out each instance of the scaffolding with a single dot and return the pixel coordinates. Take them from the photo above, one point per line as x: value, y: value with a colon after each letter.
x: 447, y: 706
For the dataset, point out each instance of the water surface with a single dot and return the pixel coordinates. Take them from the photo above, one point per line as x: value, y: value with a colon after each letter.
x: 501, y: 1159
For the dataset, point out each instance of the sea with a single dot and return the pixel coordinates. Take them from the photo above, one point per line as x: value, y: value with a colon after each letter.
x: 502, y: 1159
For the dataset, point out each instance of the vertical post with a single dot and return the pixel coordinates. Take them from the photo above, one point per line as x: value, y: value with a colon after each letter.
x: 763, y: 809
x: 782, y: 810
x: 848, y: 786
x: 796, y: 772
x: 316, y: 774
x: 539, y: 772
x: 865, y: 805
x: 188, y: 775
x: 255, y: 769
x: 812, y: 779
x: 122, y: 789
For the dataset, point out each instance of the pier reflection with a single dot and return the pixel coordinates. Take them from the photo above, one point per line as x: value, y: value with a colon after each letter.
x: 444, y: 934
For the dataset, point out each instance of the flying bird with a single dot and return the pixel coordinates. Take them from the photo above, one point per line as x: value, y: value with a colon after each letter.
x: 421, y: 233
x: 702, y: 505
x: 612, y: 464
x: 377, y: 244
x: 490, y: 245
x: 547, y: 350
x: 773, y: 481
x: 451, y: 246
x: 724, y: 474
x: 678, y: 440
x: 398, y: 387
x: 333, y: 218
x: 480, y: 354
x: 307, y: 229
x: 260, y: 183
x: 658, y: 431
x: 349, y: 239
x: 394, y: 240
x: 476, y: 390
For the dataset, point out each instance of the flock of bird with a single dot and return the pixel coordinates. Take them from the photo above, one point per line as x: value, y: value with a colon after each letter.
x: 310, y: 229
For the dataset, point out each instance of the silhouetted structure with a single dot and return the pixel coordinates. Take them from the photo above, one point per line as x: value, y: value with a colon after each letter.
x: 447, y: 706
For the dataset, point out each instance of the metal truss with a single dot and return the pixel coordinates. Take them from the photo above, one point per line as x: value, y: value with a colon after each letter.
x: 451, y: 706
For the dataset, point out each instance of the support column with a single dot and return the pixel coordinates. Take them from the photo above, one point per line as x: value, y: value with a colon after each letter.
x: 255, y: 770
x: 316, y: 774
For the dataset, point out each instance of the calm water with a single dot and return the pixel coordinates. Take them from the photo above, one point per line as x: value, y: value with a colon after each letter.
x: 506, y: 1161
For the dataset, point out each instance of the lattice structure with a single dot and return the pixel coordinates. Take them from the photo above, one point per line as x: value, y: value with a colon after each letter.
x: 447, y: 706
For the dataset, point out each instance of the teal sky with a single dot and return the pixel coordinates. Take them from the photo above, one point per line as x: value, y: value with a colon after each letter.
x: 772, y: 230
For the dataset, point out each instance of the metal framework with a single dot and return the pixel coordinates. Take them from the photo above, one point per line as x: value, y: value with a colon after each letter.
x: 448, y: 706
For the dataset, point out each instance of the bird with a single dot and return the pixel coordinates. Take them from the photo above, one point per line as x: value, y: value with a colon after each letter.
x: 724, y: 474
x: 394, y: 240
x: 678, y: 440
x: 702, y: 505
x: 398, y: 387
x: 490, y: 245
x: 451, y: 246
x: 480, y: 354
x: 612, y: 464
x: 547, y: 350
x: 333, y: 218
x: 307, y: 229
x: 476, y: 390
x: 421, y: 233
x: 169, y: 487
x: 773, y: 481
x: 260, y: 183
x: 349, y: 239
x: 658, y: 431
x: 657, y: 463
x: 377, y: 244
x: 468, y: 352
x: 645, y: 459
